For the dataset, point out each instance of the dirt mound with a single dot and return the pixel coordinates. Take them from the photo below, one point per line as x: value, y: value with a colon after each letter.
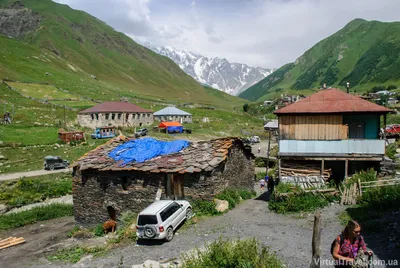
x: 16, y: 20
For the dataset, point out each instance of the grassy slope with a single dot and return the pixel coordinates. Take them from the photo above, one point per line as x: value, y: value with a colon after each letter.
x: 368, y: 56
x: 123, y: 67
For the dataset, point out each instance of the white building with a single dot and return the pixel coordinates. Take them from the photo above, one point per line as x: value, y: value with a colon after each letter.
x: 173, y: 114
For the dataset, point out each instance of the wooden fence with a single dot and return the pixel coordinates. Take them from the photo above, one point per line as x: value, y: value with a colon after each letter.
x: 350, y: 194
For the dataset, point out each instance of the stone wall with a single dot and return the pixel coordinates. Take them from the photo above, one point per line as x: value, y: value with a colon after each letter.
x: 94, y: 191
x: 236, y: 172
x: 177, y: 118
x: 120, y: 119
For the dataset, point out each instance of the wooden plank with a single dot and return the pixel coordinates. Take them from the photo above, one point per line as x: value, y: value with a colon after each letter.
x: 379, y: 181
x: 6, y: 241
x: 316, y: 242
x: 14, y: 243
x: 380, y: 185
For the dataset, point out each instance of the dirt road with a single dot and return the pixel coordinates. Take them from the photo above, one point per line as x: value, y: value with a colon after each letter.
x: 13, y: 176
x: 287, y: 235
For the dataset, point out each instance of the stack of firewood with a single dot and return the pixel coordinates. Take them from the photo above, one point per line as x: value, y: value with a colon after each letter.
x: 304, y: 171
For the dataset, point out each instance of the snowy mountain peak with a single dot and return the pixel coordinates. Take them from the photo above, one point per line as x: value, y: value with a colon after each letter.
x: 230, y: 77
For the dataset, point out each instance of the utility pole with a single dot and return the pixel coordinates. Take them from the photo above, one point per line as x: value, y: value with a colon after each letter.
x: 348, y: 87
x: 269, y: 148
x: 64, y: 118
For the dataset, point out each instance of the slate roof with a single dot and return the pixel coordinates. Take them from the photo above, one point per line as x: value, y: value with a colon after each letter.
x: 273, y: 124
x: 116, y: 107
x: 197, y: 157
x: 170, y: 111
x: 332, y: 101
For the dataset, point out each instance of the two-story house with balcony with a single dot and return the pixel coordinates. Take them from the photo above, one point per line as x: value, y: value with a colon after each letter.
x: 334, y: 130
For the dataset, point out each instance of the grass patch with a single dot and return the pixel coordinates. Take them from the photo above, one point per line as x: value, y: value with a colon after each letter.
x: 297, y: 203
x: 17, y: 193
x: 204, y: 207
x: 73, y: 255
x: 33, y: 156
x: 36, y: 214
x: 234, y: 195
x: 226, y: 253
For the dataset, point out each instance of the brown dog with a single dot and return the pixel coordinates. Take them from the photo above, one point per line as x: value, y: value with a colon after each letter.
x: 109, y: 226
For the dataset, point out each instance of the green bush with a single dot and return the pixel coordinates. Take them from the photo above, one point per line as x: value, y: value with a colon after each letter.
x: 286, y: 188
x: 204, y: 207
x: 297, y: 202
x: 238, y: 254
x: 259, y: 162
x: 36, y: 214
x: 363, y: 176
x: 230, y: 195
x: 99, y: 231
x: 391, y: 151
x: 382, y: 198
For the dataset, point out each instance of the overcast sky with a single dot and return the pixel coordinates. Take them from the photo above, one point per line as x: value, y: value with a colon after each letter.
x: 265, y: 33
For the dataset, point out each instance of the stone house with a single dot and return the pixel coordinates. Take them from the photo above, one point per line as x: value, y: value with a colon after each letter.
x: 102, y: 186
x: 173, y: 114
x: 118, y: 114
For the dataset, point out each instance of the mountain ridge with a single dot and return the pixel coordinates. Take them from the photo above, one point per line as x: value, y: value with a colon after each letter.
x: 219, y: 73
x: 41, y: 37
x: 363, y: 53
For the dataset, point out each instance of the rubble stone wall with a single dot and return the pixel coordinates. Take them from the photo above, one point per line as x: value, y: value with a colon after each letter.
x: 177, y: 118
x: 94, y: 192
x: 236, y: 172
x: 99, y: 120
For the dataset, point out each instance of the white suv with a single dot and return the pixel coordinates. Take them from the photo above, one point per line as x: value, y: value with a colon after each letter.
x: 161, y: 218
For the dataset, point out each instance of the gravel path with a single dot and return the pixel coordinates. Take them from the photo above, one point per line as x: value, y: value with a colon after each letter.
x: 18, y: 175
x: 288, y: 236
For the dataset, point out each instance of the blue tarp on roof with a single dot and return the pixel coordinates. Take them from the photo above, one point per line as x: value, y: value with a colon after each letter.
x: 144, y: 149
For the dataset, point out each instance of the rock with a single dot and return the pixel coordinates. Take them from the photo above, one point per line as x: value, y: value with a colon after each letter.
x: 57, y: 145
x: 398, y: 150
x: 148, y: 263
x: 84, y: 262
x: 2, y: 157
x: 93, y: 76
x: 221, y: 205
x: 1, y: 142
x: 3, y: 209
x: 55, y: 148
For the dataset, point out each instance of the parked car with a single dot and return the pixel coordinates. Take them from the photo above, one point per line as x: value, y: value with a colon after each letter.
x: 53, y: 162
x: 141, y: 132
x: 162, y: 218
x: 392, y: 131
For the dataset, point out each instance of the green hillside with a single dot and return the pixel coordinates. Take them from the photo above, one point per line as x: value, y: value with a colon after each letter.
x: 45, y: 42
x: 364, y: 53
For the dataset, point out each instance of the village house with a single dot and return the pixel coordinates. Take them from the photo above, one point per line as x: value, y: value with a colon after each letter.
x: 173, y: 114
x: 118, y: 114
x: 331, y: 130
x: 103, y: 186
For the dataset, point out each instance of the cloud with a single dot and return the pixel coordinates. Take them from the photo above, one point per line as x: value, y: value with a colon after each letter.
x: 266, y: 33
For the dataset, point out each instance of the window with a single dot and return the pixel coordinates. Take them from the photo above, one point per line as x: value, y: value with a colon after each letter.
x: 168, y: 212
x: 126, y: 117
x: 147, y: 219
x: 148, y: 115
x: 133, y: 116
x: 138, y: 116
x: 119, y: 116
x: 97, y: 116
x: 113, y: 116
x: 92, y: 116
x: 107, y: 116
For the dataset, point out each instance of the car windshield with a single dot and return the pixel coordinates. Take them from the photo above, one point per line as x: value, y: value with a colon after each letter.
x: 147, y: 219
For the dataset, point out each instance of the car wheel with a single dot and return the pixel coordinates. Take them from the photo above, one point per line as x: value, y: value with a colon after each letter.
x: 189, y: 213
x: 170, y: 234
x: 51, y: 167
x: 150, y: 231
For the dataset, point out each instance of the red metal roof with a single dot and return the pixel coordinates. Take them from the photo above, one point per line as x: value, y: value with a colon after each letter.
x: 332, y: 101
x: 109, y: 107
x: 169, y: 124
